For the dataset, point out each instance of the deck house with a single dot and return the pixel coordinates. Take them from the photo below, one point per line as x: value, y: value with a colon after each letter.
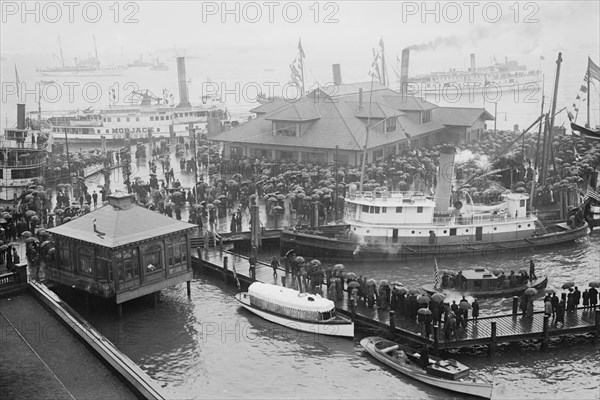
x: 122, y: 251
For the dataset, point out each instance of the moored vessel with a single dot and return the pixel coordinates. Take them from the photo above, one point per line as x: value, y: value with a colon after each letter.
x: 301, y: 311
x: 445, y: 374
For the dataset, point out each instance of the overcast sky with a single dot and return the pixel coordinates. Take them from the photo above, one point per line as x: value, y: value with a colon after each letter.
x: 344, y: 31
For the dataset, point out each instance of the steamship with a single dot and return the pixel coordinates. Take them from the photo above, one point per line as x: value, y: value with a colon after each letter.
x: 151, y: 118
x: 499, y: 77
x: 391, y: 225
x: 22, y: 159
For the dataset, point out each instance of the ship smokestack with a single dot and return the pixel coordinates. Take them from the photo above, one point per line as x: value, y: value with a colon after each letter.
x: 443, y: 189
x: 472, y: 62
x: 20, y: 116
x: 183, y: 89
x: 404, y: 71
x: 337, y: 74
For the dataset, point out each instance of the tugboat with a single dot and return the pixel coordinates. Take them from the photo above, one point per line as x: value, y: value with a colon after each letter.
x: 390, y: 225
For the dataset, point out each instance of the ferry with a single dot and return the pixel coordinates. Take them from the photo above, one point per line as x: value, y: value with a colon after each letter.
x: 151, y: 117
x: 23, y: 159
x: 301, y: 311
x: 390, y: 225
x: 445, y: 374
x: 507, y: 76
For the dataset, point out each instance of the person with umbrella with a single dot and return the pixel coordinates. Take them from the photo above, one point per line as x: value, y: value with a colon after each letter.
x: 532, y: 270
x: 586, y: 299
x: 576, y: 297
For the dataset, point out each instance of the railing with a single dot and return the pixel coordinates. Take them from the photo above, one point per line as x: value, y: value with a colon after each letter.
x: 14, y: 282
x: 23, y: 163
x: 460, y: 220
x: 383, y: 194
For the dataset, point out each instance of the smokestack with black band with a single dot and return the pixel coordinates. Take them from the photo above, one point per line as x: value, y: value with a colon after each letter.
x: 404, y: 71
x: 20, y: 116
x: 183, y: 90
x: 472, y: 62
x: 360, y: 98
x: 337, y: 74
x: 443, y: 189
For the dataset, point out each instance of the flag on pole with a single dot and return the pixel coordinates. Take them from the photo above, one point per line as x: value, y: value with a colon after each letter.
x: 436, y: 275
x: 297, y: 68
x: 235, y: 274
x: 112, y: 95
x: 592, y: 193
x: 542, y: 58
x: 593, y: 70
x: 583, y: 89
x: 374, y: 72
x: 301, y: 50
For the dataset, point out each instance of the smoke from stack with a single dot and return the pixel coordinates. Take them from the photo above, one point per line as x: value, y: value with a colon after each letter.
x: 20, y: 116
x: 473, y: 62
x: 183, y: 89
x: 337, y: 74
x: 404, y: 70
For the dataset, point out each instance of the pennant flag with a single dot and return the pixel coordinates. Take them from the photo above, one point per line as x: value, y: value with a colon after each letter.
x: 374, y: 73
x: 593, y: 70
x: 112, y: 95
x: 18, y: 83
x: 301, y: 50
x: 381, y: 44
x: 578, y: 97
x: 583, y: 89
x: 542, y: 58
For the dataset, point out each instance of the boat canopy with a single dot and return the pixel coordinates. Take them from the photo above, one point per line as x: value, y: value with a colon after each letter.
x: 262, y: 292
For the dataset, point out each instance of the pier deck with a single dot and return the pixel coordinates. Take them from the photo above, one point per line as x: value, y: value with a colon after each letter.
x: 485, y: 331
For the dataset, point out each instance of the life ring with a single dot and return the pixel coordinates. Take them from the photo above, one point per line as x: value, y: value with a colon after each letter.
x: 368, y: 195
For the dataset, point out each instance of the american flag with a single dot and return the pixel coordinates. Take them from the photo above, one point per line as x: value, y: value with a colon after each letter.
x: 436, y: 275
x: 593, y: 194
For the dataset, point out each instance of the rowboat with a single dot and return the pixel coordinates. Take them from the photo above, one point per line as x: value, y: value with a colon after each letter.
x: 445, y: 374
x: 301, y: 311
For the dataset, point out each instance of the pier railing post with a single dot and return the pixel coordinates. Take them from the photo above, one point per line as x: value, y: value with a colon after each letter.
x: 597, y: 325
x: 515, y: 305
x: 545, y: 339
x: 436, y: 334
x: 283, y: 280
x: 493, y: 340
x: 392, y: 322
x: 225, y: 262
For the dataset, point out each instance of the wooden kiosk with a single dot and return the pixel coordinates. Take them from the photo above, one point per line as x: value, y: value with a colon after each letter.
x: 122, y: 251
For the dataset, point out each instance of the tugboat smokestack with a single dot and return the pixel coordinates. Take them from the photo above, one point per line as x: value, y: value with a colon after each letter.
x: 183, y: 89
x: 443, y: 189
x: 337, y: 74
x: 404, y: 71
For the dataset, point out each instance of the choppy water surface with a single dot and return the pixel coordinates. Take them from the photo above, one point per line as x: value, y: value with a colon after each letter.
x: 210, y: 348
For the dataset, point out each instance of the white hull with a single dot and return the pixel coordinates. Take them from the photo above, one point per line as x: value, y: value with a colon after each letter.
x: 344, y: 330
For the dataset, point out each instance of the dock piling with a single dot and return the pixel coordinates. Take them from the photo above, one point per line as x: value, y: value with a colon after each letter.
x: 189, y: 289
x: 597, y: 325
x: 225, y: 268
x: 392, y: 322
x: 546, y: 338
x: 493, y: 340
x: 515, y: 305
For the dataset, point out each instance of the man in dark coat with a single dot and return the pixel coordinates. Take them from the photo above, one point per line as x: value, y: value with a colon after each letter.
x: 576, y: 297
x: 475, y: 312
x: 554, y: 301
x: 593, y: 297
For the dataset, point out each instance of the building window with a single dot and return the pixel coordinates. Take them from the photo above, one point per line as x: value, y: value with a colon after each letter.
x: 426, y: 117
x: 342, y: 159
x: 151, y: 118
x: 127, y: 119
x: 365, y: 208
x: 177, y: 255
x: 86, y: 264
x: 398, y: 210
x: 236, y: 152
x: 285, y: 128
x: 419, y: 210
x: 153, y: 259
x: 452, y: 231
x: 377, y: 154
x: 103, y: 119
x: 522, y: 203
x: 162, y: 117
x: 118, y: 119
x: 390, y: 124
x: 109, y: 119
x: 128, y: 264
x: 288, y: 155
x: 137, y: 119
x: 157, y: 129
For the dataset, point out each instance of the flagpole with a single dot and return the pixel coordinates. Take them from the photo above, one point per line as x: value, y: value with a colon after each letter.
x: 301, y: 66
x: 364, y: 159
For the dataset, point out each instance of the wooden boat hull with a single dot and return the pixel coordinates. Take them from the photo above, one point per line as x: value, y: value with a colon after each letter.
x: 477, y: 388
x: 327, y: 247
x: 339, y: 327
x: 537, y: 284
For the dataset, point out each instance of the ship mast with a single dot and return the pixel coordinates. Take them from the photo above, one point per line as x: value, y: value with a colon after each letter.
x: 364, y: 158
x: 62, y: 59
x: 96, y: 51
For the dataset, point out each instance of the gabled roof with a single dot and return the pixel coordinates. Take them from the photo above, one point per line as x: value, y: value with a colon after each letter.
x: 461, y: 116
x: 120, y: 224
x: 353, y: 88
x: 387, y: 96
x: 376, y: 110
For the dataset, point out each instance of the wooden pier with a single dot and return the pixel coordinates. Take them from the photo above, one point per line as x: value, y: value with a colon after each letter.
x: 486, y: 331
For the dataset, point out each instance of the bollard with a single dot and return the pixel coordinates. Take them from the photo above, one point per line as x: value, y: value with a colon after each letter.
x: 515, y: 308
x: 597, y: 324
x: 120, y: 310
x: 392, y: 322
x: 225, y: 268
x: 563, y: 297
x: 189, y: 289
x: 21, y: 269
x: 283, y: 281
x: 436, y: 334
x: 221, y: 244
x: 493, y: 340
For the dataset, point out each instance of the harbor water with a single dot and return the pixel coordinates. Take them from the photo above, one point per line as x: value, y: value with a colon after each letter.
x: 208, y: 347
